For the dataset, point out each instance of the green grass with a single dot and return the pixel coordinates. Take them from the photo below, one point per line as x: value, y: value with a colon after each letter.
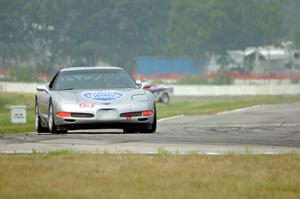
x: 196, y: 106
x: 74, y: 175
x: 11, y: 99
x: 219, y: 104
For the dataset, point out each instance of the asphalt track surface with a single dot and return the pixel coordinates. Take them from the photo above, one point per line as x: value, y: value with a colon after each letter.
x: 264, y: 129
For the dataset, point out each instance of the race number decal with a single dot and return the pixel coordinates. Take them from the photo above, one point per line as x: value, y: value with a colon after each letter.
x: 86, y: 105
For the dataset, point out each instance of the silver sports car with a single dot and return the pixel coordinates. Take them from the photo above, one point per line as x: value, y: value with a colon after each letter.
x: 94, y: 98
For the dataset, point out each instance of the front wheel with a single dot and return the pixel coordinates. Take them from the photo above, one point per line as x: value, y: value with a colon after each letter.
x: 152, y: 129
x: 51, y: 123
x: 38, y: 123
x: 164, y: 98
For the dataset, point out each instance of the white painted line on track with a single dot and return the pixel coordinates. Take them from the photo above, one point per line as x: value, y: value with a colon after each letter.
x: 238, y: 110
x: 249, y: 125
x: 170, y: 118
x: 211, y: 153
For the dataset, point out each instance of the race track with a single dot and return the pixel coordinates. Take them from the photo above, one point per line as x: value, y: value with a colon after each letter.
x: 261, y: 129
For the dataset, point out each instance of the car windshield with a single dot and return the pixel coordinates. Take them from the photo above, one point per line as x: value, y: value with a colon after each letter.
x: 93, y: 79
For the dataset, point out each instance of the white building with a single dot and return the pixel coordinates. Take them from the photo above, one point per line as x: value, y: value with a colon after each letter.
x: 266, y: 59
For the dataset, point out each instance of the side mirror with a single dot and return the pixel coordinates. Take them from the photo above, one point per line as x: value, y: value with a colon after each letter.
x: 138, y: 83
x: 42, y: 88
x: 146, y: 85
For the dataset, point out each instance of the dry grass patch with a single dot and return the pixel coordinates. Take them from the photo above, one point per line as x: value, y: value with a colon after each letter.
x: 144, y: 176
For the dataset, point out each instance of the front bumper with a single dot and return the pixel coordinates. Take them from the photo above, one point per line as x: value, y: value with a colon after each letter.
x: 94, y: 121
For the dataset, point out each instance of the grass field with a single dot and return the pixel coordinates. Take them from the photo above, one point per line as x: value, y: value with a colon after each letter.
x: 72, y: 175
x: 196, y: 106
x: 214, y: 105
x: 11, y: 99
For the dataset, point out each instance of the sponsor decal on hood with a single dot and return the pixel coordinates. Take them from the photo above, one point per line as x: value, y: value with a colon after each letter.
x: 103, y: 95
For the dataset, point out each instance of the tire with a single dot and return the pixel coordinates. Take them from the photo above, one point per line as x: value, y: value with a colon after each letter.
x: 51, y: 123
x: 164, y: 98
x: 152, y: 129
x: 38, y: 123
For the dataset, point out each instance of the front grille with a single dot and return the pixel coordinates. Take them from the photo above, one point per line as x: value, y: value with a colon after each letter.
x: 82, y: 115
x: 143, y: 119
x: 132, y: 114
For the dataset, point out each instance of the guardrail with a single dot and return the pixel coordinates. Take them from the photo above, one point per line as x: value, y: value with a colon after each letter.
x: 193, y: 90
x: 18, y: 87
x: 188, y: 90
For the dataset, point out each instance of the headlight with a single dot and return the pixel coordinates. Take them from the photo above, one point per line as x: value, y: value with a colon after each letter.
x: 140, y: 98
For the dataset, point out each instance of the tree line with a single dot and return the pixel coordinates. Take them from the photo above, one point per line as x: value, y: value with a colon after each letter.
x: 50, y: 34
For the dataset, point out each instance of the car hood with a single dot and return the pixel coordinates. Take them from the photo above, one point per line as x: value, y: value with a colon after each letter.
x: 97, y: 96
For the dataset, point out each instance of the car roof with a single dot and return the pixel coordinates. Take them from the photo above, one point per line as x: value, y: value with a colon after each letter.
x: 92, y: 68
